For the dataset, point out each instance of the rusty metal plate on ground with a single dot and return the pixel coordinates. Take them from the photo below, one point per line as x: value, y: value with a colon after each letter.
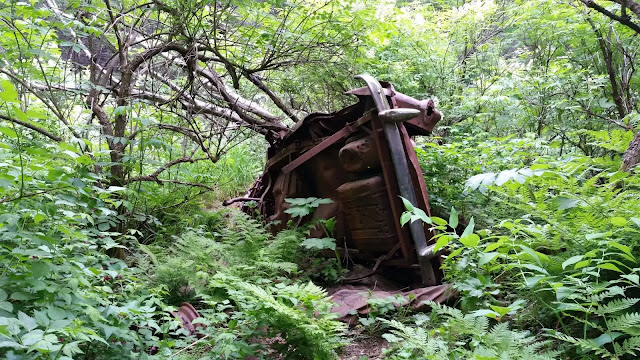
x: 187, y: 313
x: 353, y: 301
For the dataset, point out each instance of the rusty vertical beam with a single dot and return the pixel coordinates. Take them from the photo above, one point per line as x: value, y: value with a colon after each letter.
x: 405, y: 185
x: 406, y: 247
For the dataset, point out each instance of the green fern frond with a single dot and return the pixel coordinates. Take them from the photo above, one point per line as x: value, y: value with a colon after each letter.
x: 440, y: 309
x: 145, y: 249
x: 624, y: 322
x: 631, y: 345
x: 616, y: 305
x: 586, y: 345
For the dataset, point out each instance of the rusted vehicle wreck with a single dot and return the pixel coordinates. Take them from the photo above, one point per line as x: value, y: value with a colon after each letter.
x: 362, y: 158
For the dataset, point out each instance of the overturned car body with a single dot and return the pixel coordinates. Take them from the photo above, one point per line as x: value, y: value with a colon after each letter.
x: 362, y: 158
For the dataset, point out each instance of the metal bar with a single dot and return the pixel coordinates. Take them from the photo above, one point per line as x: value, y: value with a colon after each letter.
x: 347, y: 130
x: 405, y: 185
x: 389, y: 175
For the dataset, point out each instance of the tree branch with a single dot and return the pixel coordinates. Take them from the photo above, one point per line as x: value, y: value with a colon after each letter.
x: 49, y: 104
x: 276, y: 100
x: 32, y: 127
x: 161, y: 181
x: 154, y: 176
x: 613, y: 121
x: 629, y: 4
x: 622, y: 20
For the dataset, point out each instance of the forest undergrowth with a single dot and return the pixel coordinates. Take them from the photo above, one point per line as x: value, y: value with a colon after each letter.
x: 545, y: 267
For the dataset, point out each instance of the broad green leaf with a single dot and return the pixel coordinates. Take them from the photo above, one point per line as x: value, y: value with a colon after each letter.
x: 531, y: 281
x: 501, y: 310
x: 422, y: 215
x: 6, y: 306
x: 11, y: 344
x: 453, y: 218
x: 8, y: 132
x: 438, y: 221
x: 470, y: 241
x: 56, y: 313
x: 407, y: 204
x: 617, y: 176
x: 104, y: 226
x: 406, y: 216
x: 606, y: 338
x: 494, y: 245
x: 634, y: 278
x: 510, y: 175
x: 442, y: 241
x: 20, y: 114
x: 531, y: 253
x: 391, y: 338
x: 564, y: 202
x: 469, y: 229
x: 582, y: 264
x: 618, y: 221
x: 32, y: 337
x: 39, y: 217
x: 625, y: 249
x: 8, y: 93
x: 487, y: 257
x: 596, y: 235
x: 572, y: 260
x: 486, y: 312
x: 319, y: 244
x: 561, y: 293
x: 22, y: 296
x: 610, y: 266
x: 480, y: 181
x: 317, y: 202
x: 27, y: 321
x: 455, y: 253
x: 40, y: 269
x: 531, y: 267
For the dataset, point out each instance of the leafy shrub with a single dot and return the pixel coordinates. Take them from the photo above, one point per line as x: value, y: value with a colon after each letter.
x: 559, y: 255
x: 61, y: 296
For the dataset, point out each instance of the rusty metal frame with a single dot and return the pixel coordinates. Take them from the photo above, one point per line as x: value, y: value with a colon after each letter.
x: 306, y: 153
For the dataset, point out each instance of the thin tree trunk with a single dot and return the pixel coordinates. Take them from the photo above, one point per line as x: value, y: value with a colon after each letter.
x: 631, y: 157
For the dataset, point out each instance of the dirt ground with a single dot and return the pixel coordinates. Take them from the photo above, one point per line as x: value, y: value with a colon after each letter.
x: 363, y: 346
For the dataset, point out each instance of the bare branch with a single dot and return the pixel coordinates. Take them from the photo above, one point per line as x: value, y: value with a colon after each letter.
x: 622, y: 20
x: 613, y: 121
x: 32, y: 127
x: 161, y: 181
x: 276, y: 100
x: 49, y: 104
x: 154, y: 176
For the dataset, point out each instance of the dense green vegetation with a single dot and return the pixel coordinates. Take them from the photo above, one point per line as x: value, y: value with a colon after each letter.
x: 125, y: 124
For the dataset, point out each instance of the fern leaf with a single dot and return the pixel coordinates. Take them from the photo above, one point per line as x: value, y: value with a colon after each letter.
x: 624, y: 322
x: 616, y: 305
x: 145, y: 249
x: 631, y: 345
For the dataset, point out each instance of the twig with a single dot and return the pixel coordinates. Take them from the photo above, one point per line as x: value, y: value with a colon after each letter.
x: 191, y: 345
